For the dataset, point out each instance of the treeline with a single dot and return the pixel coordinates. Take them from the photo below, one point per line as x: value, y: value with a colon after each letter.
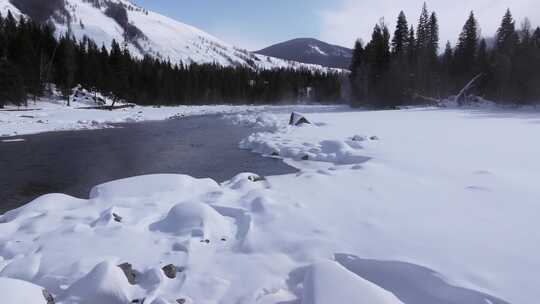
x: 407, y: 67
x: 31, y: 58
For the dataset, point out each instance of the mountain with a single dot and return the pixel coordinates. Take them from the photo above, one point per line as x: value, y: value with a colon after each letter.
x: 311, y: 51
x: 145, y: 32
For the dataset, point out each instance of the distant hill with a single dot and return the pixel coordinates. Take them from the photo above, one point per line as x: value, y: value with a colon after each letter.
x: 309, y: 50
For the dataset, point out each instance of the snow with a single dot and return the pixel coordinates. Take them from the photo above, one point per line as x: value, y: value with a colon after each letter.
x: 317, y: 50
x: 329, y: 282
x: 412, y: 206
x: 49, y: 115
x: 20, y: 292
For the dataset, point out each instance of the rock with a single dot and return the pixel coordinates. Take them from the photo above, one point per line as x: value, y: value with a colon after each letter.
x: 374, y: 138
x: 117, y: 217
x: 181, y: 301
x: 169, y: 271
x: 127, y: 268
x: 275, y: 153
x: 359, y: 138
x: 256, y: 178
x: 298, y: 119
x: 305, y: 157
x: 48, y: 297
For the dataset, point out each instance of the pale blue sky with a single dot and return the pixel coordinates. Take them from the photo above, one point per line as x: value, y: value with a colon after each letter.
x: 254, y: 24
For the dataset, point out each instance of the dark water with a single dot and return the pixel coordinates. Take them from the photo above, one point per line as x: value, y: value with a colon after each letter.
x: 73, y: 162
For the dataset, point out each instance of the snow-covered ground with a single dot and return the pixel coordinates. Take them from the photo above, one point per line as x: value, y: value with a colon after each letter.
x: 53, y: 115
x: 412, y: 206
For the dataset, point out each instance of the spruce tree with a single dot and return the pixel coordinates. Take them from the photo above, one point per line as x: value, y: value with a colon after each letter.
x: 411, y: 46
x: 507, y: 37
x: 11, y: 84
x: 466, y: 49
x: 433, y: 42
x: 536, y: 38
x: 358, y: 73
x: 422, y: 31
x: 401, y: 36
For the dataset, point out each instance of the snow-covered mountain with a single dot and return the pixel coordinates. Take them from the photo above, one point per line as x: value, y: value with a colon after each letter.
x: 312, y: 51
x: 146, y: 32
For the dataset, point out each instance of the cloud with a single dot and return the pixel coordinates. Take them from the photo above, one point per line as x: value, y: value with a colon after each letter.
x: 354, y: 19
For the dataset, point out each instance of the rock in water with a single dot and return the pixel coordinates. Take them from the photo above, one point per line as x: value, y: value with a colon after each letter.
x: 298, y: 119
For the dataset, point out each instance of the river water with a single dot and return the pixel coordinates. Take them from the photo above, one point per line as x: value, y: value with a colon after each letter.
x: 72, y: 162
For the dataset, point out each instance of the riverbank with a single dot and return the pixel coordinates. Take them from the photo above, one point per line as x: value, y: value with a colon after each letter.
x: 53, y: 115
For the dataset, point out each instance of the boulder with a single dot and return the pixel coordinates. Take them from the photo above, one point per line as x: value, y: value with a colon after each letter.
x: 169, y: 271
x: 298, y: 119
x: 128, y: 271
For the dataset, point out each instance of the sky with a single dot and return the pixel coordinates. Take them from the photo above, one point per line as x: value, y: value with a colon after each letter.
x: 255, y: 24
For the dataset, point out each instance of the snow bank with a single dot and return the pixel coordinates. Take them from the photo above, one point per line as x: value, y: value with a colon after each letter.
x: 328, y: 282
x: 105, y: 284
x: 20, y: 292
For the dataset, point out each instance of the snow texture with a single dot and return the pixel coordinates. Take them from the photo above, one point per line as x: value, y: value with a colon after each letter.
x: 417, y: 206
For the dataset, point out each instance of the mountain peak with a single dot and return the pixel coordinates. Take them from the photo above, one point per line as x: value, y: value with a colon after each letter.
x: 312, y: 51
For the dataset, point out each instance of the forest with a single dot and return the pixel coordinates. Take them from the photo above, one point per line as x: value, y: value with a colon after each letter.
x: 31, y: 59
x: 408, y: 67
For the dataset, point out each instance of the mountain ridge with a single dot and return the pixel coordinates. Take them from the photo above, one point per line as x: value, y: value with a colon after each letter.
x: 146, y: 32
x: 310, y: 51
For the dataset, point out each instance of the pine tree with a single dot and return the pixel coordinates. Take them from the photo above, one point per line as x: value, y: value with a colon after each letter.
x: 11, y: 84
x: 411, y: 46
x: 66, y: 67
x: 507, y: 38
x: 467, y: 48
x: 378, y: 56
x: 536, y: 38
x: 433, y: 42
x: 447, y: 63
x: 422, y: 31
x: 358, y: 73
x: 401, y: 36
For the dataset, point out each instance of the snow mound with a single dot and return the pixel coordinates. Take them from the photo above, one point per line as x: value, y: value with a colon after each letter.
x: 105, y: 284
x: 196, y: 219
x: 14, y: 291
x: 339, y: 152
x: 143, y: 186
x: 328, y: 282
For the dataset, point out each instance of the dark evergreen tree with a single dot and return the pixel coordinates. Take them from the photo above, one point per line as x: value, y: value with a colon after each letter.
x: 401, y: 36
x: 11, y: 84
x: 507, y: 37
x: 358, y: 74
x: 466, y: 50
x: 433, y: 42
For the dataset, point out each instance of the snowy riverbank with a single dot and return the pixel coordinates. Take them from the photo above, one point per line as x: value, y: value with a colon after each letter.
x: 49, y: 116
x: 412, y: 206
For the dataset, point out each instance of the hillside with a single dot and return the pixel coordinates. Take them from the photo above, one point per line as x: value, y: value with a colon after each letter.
x: 311, y: 51
x: 144, y: 31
